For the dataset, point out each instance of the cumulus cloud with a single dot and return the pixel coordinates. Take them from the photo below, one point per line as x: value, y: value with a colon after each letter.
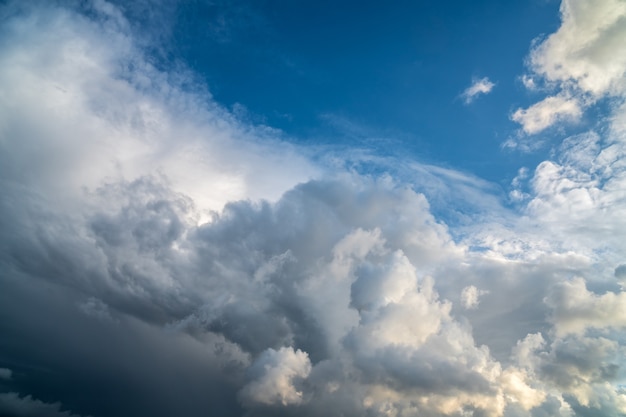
x: 577, y: 195
x: 547, y: 112
x: 273, y: 376
x: 575, y: 308
x: 479, y: 87
x: 620, y: 274
x: 185, y: 262
x: 470, y: 296
x: 583, y: 50
x: 582, y: 60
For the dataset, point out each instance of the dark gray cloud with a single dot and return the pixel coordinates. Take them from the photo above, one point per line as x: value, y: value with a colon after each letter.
x: 620, y: 274
x: 5, y: 374
x: 11, y: 404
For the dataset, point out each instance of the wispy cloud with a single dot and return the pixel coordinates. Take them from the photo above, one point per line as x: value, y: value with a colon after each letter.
x: 479, y: 87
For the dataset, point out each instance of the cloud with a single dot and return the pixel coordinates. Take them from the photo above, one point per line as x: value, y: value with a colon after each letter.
x: 184, y: 262
x: 577, y: 196
x: 583, y: 369
x: 478, y: 87
x: 96, y: 309
x: 576, y: 309
x: 11, y: 404
x: 273, y: 376
x: 6, y: 374
x: 547, y: 112
x: 583, y: 49
x: 581, y: 60
x: 470, y: 295
x: 87, y: 78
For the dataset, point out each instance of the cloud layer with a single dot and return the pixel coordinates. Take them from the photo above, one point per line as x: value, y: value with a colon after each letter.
x: 161, y: 257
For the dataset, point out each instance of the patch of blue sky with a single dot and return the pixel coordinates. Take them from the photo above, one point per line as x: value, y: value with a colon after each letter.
x: 368, y: 74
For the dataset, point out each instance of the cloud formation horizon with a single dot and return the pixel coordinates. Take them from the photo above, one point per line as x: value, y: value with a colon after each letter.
x: 160, y: 256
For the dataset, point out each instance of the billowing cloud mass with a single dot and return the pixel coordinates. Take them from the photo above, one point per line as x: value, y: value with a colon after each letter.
x: 161, y: 257
x: 478, y: 87
x: 273, y: 377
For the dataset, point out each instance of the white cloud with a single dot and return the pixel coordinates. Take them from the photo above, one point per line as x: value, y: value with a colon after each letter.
x: 576, y: 309
x: 545, y: 113
x: 529, y: 82
x: 76, y: 114
x: 585, y: 50
x: 273, y: 376
x: 583, y: 59
x: 479, y: 86
x: 470, y: 296
x: 516, y: 386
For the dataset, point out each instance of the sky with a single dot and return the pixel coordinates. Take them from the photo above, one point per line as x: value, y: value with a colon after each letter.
x: 272, y: 208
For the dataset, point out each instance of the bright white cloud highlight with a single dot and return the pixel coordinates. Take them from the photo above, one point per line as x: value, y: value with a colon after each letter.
x: 78, y: 115
x: 545, y: 113
x: 585, y: 51
x: 273, y: 376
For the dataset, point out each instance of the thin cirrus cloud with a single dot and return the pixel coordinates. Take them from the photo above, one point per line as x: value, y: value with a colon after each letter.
x: 183, y: 262
x: 479, y: 87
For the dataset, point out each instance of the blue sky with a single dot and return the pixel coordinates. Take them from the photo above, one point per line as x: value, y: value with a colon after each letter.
x: 312, y: 209
x: 372, y: 75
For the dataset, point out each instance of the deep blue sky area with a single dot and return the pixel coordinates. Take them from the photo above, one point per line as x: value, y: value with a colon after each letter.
x: 372, y: 74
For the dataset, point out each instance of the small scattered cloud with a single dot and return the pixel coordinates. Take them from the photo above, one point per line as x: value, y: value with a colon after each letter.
x: 529, y: 82
x: 479, y: 87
